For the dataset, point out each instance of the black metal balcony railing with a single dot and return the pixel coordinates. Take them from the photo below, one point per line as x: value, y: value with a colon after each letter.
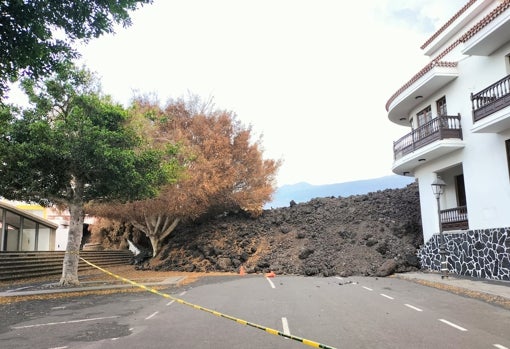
x: 491, y: 99
x: 454, y: 218
x: 436, y: 129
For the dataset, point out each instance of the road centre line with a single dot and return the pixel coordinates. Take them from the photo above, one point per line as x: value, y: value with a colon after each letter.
x: 152, y: 315
x: 285, y: 325
x: 413, y: 307
x: 367, y: 288
x: 65, y: 322
x: 452, y: 325
x: 270, y: 282
x: 499, y: 346
x: 385, y: 295
x: 339, y: 278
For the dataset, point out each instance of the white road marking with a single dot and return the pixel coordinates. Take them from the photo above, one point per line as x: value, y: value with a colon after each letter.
x: 58, y: 308
x: 385, y: 295
x: 180, y: 294
x: 452, y: 325
x: 152, y: 315
x: 413, y: 307
x: 59, y: 348
x: 499, y: 346
x: 367, y: 288
x: 66, y: 322
x: 285, y: 325
x: 270, y: 283
x: 339, y: 278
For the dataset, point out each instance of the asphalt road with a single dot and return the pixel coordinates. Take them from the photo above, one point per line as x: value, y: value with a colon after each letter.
x: 342, y: 313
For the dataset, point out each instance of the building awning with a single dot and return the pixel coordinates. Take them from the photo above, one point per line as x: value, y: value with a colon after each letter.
x: 24, y: 213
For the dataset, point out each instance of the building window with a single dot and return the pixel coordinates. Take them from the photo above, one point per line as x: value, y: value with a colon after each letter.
x: 441, y: 106
x: 424, y: 116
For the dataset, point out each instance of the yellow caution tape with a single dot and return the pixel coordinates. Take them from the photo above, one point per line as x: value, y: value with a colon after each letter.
x: 214, y: 312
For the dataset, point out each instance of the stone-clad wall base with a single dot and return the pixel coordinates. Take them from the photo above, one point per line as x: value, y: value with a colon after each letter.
x: 483, y: 253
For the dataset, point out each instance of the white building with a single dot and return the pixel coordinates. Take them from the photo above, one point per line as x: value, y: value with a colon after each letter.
x: 457, y: 109
x: 25, y: 230
x: 31, y: 227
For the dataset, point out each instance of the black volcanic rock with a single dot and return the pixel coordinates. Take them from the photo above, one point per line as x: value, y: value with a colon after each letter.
x: 358, y: 234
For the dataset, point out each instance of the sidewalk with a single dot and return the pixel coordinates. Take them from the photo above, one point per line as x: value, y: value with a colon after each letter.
x: 492, y: 291
x: 53, y: 288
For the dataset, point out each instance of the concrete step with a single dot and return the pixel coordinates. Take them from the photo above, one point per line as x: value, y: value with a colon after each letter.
x: 19, y: 265
x: 27, y: 259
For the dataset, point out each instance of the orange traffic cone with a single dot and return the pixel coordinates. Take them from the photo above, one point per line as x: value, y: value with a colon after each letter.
x: 270, y: 275
x: 242, y: 272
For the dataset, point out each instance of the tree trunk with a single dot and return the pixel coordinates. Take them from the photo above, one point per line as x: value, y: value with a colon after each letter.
x: 155, y: 242
x: 71, y: 258
x: 157, y: 228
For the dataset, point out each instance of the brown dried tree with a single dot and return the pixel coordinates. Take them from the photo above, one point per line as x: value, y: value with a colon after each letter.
x: 224, y: 169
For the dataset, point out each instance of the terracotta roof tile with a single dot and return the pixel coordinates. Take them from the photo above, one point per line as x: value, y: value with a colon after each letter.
x: 505, y: 4
x: 486, y: 20
x: 425, y: 70
x: 447, y: 24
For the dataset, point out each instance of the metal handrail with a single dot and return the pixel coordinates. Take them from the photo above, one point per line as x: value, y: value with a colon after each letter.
x: 438, y: 128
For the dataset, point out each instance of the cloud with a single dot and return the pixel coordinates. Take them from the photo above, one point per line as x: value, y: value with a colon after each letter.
x: 422, y: 16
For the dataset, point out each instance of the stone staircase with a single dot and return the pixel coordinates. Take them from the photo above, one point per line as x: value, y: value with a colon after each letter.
x: 19, y: 265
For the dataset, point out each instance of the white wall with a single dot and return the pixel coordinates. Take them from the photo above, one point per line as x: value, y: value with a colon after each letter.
x: 426, y: 174
x: 61, y: 237
x: 483, y: 160
x: 487, y: 182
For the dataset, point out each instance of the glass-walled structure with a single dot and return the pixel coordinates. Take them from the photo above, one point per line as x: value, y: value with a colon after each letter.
x: 24, y: 231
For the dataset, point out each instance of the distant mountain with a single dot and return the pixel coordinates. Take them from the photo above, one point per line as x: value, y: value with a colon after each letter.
x: 303, y: 192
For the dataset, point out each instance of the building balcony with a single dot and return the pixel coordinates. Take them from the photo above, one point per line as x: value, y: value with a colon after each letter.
x: 454, y: 218
x: 432, y: 140
x: 491, y: 107
x: 422, y: 86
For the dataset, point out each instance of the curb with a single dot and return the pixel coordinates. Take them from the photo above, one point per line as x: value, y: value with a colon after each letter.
x: 56, y: 290
x: 487, y: 297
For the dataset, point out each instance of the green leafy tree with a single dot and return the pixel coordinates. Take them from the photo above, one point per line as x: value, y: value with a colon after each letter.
x: 74, y: 147
x: 37, y: 35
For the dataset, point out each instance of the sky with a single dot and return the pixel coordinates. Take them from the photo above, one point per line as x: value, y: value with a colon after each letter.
x: 311, y: 77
